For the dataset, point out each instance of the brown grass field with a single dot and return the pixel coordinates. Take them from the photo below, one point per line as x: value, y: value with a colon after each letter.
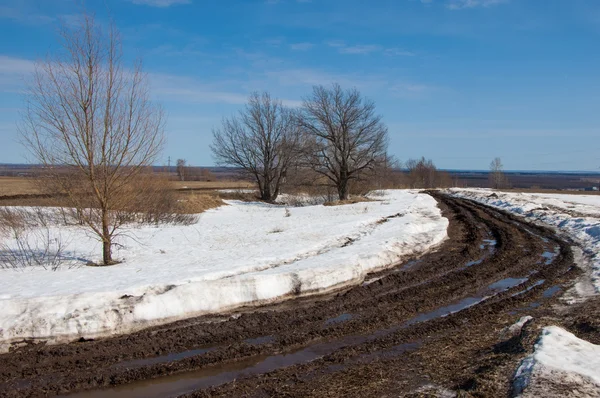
x: 212, y: 185
x: 17, y: 186
x: 27, y: 186
x: 200, y: 194
x: 196, y: 196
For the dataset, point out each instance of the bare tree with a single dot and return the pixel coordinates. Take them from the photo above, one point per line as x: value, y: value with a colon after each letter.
x: 91, y: 123
x: 422, y: 173
x: 497, y: 176
x: 181, y: 169
x: 262, y: 140
x: 345, y: 136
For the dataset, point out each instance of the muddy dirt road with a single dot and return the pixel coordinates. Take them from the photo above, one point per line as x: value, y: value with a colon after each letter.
x: 435, y: 322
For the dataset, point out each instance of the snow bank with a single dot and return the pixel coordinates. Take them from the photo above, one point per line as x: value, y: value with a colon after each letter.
x: 236, y: 255
x: 561, y: 362
x: 576, y: 215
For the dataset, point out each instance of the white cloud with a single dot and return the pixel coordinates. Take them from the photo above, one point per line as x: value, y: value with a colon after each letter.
x: 24, y: 16
x: 410, y: 88
x: 301, y: 46
x: 399, y: 52
x: 160, y: 3
x: 335, y: 43
x: 360, y: 49
x: 190, y: 90
x: 462, y: 4
x: 367, y: 49
x: 13, y: 72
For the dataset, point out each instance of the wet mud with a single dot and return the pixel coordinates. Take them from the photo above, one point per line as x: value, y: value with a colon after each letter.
x: 436, y: 322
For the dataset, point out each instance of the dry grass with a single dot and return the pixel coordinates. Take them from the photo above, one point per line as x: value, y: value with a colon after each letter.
x: 27, y: 186
x: 194, y: 203
x: 211, y: 185
x: 18, y: 186
x: 22, y: 191
x: 358, y: 199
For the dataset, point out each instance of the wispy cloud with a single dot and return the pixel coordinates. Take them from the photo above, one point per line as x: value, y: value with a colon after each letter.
x: 301, y: 46
x: 398, y: 52
x: 360, y: 49
x: 364, y: 49
x: 306, y: 77
x: 411, y: 90
x: 160, y: 3
x: 24, y: 16
x: 13, y: 72
x: 191, y: 90
x: 463, y: 4
x: 185, y: 89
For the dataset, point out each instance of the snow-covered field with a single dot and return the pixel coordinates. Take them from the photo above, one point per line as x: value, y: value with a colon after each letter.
x: 561, y: 364
x: 575, y: 215
x: 236, y: 255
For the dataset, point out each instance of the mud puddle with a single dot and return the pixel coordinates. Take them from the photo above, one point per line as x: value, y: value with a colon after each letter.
x: 339, y: 319
x: 216, y: 375
x: 550, y: 256
x: 138, y: 363
x: 260, y: 340
x: 550, y: 292
x: 178, y: 384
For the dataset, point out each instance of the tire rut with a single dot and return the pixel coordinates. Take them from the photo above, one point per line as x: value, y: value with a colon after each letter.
x: 369, y: 340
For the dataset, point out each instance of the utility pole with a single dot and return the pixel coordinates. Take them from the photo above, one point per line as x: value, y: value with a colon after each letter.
x: 169, y: 165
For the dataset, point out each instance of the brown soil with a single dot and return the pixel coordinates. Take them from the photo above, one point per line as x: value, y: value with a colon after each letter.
x: 391, y: 336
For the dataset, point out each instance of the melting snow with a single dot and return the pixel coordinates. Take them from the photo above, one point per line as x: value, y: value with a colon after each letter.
x: 236, y: 255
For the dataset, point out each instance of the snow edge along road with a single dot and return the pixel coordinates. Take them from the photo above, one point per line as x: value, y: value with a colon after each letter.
x: 407, y: 231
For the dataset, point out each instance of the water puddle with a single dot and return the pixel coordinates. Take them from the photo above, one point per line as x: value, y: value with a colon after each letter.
x: 178, y: 384
x: 339, y: 319
x: 536, y: 284
x: 138, y: 363
x: 445, y: 311
x: 550, y: 292
x: 506, y: 284
x: 260, y: 340
x: 472, y: 263
x: 492, y: 290
x: 410, y: 264
x: 488, y: 243
x: 551, y: 256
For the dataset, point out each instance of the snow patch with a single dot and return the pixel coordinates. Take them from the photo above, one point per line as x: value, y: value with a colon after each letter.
x: 226, y: 260
x: 560, y: 358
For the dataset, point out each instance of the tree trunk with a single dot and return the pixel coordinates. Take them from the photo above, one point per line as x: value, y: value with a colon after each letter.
x: 343, y: 189
x: 106, y: 240
x: 266, y: 193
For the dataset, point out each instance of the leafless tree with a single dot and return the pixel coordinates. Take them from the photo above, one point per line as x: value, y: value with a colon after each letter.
x: 497, y: 176
x: 344, y: 135
x: 262, y: 140
x: 421, y: 173
x: 181, y: 169
x: 90, y: 122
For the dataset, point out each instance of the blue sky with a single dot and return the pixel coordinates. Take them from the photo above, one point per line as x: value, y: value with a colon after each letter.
x: 457, y: 81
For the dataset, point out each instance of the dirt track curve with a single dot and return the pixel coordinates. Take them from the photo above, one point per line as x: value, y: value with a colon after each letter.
x: 438, y: 321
